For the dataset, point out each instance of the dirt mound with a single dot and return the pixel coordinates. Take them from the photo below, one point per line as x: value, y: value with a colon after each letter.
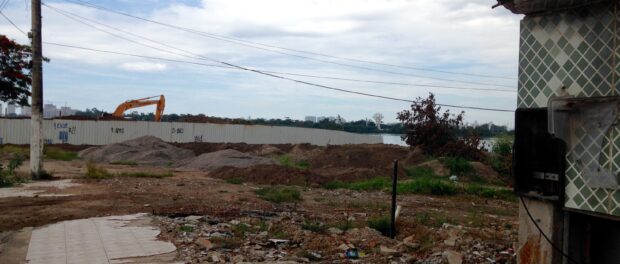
x: 201, y: 148
x: 359, y: 156
x: 438, y: 168
x: 271, y: 175
x: 147, y: 150
x: 485, y: 172
x: 224, y: 158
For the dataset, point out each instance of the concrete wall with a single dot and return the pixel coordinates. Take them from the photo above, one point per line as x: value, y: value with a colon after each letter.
x: 17, y: 131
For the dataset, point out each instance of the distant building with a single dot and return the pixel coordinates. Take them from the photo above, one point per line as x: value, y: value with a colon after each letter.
x: 10, y: 110
x: 67, y: 111
x: 312, y: 119
x: 1, y: 112
x: 50, y: 111
x: 26, y: 111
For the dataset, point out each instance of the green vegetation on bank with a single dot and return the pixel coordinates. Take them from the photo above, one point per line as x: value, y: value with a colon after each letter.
x: 279, y: 194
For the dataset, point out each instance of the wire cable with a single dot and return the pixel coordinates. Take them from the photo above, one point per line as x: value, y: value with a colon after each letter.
x: 222, y: 38
x: 232, y: 66
x: 14, y: 25
x: 198, y: 56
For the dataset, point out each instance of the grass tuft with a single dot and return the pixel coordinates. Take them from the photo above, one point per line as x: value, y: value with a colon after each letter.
x: 279, y: 194
x: 427, y: 186
x: 95, y: 172
x: 458, y: 166
x: 381, y: 224
x: 234, y: 180
x: 420, y: 172
x: 287, y: 161
x: 59, y: 154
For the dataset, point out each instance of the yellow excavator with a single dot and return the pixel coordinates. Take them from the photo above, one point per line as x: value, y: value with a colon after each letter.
x: 161, y: 103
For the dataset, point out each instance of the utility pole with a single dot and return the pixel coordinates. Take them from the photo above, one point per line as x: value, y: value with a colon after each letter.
x: 36, y: 119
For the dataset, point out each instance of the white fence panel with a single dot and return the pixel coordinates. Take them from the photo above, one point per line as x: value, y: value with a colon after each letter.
x: 87, y: 132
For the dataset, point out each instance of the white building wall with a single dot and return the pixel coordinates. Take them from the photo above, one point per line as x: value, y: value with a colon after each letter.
x: 17, y: 131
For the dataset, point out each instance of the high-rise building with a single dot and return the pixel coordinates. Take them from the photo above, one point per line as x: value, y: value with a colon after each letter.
x: 50, y: 111
x: 311, y: 119
x: 10, y: 110
x: 26, y: 111
x: 67, y: 111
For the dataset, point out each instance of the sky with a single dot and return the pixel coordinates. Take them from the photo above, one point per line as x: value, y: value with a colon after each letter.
x: 457, y: 36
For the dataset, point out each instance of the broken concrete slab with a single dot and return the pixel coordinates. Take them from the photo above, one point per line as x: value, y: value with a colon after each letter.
x: 33, y: 189
x: 113, y: 239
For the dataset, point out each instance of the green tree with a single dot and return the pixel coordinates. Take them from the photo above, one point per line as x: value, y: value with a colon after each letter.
x: 15, y: 75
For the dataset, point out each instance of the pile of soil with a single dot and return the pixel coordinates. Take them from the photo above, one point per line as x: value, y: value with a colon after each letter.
x: 147, y: 150
x: 201, y: 148
x: 377, y: 156
x: 224, y: 158
x: 487, y: 173
x: 271, y: 175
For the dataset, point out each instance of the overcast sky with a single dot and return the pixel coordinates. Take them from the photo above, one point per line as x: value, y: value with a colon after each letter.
x: 464, y: 36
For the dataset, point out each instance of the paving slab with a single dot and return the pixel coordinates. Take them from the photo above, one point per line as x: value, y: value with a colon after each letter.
x: 113, y: 239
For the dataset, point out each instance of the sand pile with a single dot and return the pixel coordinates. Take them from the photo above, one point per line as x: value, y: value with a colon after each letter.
x: 225, y: 158
x: 147, y: 150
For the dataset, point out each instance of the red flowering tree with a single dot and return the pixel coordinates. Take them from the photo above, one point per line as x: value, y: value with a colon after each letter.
x: 435, y: 132
x: 15, y: 76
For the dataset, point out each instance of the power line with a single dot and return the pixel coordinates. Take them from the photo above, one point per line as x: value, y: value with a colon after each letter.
x: 299, y: 81
x: 243, y: 43
x: 232, y: 66
x: 76, y: 17
x: 14, y: 25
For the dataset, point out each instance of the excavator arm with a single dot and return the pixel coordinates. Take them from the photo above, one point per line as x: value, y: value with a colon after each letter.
x: 161, y: 104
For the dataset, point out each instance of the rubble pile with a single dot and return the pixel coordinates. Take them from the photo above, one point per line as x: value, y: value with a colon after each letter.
x: 286, y: 238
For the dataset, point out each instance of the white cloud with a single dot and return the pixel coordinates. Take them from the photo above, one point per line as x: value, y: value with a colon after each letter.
x: 143, y: 66
x: 453, y: 35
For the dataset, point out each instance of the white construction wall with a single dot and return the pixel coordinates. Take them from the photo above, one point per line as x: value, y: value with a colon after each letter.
x: 17, y: 131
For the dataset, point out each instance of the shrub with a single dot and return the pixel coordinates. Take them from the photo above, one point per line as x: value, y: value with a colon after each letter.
x: 59, y: 154
x: 435, y: 131
x: 458, y: 165
x: 503, y: 145
x: 279, y: 194
x: 95, y: 172
x: 8, y: 177
x: 381, y: 224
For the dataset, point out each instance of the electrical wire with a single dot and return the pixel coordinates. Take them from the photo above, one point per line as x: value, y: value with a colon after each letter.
x: 232, y: 66
x: 76, y: 17
x: 14, y: 25
x: 269, y: 74
x: 294, y: 80
x: 555, y: 247
x: 222, y: 38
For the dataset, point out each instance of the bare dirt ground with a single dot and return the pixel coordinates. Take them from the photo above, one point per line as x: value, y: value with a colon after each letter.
x: 195, y: 207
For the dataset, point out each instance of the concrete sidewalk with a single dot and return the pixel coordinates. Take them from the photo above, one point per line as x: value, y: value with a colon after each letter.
x: 114, y: 239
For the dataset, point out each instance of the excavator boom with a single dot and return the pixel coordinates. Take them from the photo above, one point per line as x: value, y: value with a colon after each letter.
x: 130, y: 104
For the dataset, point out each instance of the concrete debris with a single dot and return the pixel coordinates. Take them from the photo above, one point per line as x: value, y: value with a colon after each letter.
x: 453, y: 257
x: 147, y: 150
x: 224, y: 158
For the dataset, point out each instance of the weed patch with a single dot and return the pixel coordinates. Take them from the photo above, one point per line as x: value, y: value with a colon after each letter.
x: 279, y: 194
x: 8, y: 176
x: 234, y: 180
x: 458, y: 165
x: 59, y: 154
x: 374, y: 184
x: 427, y: 186
x: 95, y: 172
x: 186, y: 228
x: 381, y: 224
x: 490, y: 192
x: 287, y: 161
x: 420, y: 172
